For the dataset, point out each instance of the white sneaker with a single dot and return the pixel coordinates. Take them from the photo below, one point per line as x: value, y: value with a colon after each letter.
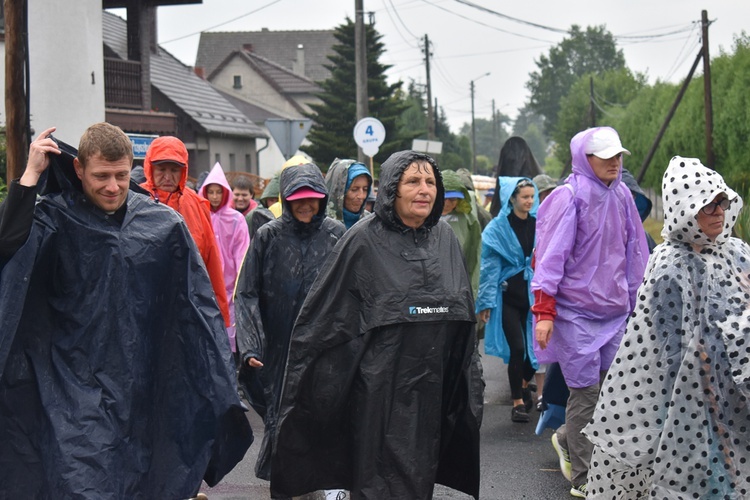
x: 562, y: 455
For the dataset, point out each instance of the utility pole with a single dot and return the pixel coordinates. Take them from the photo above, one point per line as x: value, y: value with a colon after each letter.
x: 592, y: 109
x: 473, y: 133
x: 707, y: 101
x: 430, y: 121
x: 16, y: 111
x: 360, y: 63
x: 474, y: 127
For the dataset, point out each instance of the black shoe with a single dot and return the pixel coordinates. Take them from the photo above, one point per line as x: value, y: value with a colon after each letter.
x: 532, y: 386
x: 518, y: 414
x: 528, y: 401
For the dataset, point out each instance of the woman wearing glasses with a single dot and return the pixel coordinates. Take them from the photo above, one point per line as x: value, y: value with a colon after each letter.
x: 673, y: 419
x: 504, y: 298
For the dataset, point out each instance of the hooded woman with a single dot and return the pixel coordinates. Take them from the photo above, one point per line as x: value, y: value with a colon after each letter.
x: 379, y: 395
x: 349, y: 184
x: 505, y: 298
x: 460, y: 213
x: 672, y: 418
x: 280, y: 267
x: 232, y: 238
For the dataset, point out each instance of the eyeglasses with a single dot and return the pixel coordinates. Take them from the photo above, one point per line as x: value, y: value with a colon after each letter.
x: 710, y: 208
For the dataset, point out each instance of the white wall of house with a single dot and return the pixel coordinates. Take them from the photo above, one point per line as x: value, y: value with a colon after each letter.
x: 234, y: 154
x: 254, y: 88
x: 66, y: 66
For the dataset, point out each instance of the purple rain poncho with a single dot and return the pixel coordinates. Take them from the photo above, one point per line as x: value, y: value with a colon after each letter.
x: 679, y: 385
x: 590, y: 256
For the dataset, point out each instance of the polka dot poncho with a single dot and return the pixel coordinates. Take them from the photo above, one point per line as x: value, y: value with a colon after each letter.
x: 673, y: 419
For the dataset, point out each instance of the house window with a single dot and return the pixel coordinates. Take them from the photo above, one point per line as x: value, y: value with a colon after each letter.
x: 248, y: 164
x: 237, y: 81
x: 231, y: 161
x: 217, y: 158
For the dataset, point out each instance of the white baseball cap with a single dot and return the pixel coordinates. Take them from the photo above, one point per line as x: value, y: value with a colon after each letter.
x: 604, y: 144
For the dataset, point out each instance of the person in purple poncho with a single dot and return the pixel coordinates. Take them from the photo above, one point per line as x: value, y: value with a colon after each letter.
x: 590, y: 258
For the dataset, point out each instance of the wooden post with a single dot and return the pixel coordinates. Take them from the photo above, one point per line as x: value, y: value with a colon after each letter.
x: 16, y: 119
x: 707, y: 101
x: 664, y: 126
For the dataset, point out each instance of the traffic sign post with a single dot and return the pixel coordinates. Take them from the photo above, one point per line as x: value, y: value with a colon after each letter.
x: 288, y: 134
x: 369, y: 134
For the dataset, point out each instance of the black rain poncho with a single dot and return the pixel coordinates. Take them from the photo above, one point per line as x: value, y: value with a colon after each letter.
x: 380, y: 396
x: 280, y: 267
x: 114, y: 358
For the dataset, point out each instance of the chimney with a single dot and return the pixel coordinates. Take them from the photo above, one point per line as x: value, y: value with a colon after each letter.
x: 200, y: 71
x: 298, y: 66
x: 247, y: 46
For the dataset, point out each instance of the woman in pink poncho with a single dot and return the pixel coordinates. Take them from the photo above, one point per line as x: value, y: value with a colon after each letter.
x: 231, y: 233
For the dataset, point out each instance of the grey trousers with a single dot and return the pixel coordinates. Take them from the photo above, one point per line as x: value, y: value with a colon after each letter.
x: 578, y: 412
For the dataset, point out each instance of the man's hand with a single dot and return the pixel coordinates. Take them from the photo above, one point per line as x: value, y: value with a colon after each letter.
x: 254, y: 363
x: 544, y: 332
x: 484, y: 316
x: 38, y: 159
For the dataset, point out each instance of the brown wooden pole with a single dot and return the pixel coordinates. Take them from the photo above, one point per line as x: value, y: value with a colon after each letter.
x: 707, y: 101
x: 16, y: 116
x: 664, y: 126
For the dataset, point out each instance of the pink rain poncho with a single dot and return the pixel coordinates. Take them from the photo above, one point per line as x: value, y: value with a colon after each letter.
x: 590, y: 257
x: 232, y: 237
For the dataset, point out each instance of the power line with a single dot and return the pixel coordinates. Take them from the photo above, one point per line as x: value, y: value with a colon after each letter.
x: 510, y: 18
x: 220, y: 24
x: 487, y: 25
x: 398, y: 30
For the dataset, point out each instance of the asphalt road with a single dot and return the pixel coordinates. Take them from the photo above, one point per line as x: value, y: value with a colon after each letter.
x: 516, y: 463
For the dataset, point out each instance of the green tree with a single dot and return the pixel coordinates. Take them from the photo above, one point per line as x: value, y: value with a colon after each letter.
x: 530, y: 127
x: 581, y: 52
x: 613, y: 91
x: 413, y: 119
x: 334, y: 118
x: 490, y: 136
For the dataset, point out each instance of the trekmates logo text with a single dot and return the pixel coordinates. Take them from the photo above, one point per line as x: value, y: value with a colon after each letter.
x: 428, y: 310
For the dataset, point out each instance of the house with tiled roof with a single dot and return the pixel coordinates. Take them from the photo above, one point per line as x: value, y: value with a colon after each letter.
x: 271, y: 72
x: 211, y: 127
x: 303, y: 51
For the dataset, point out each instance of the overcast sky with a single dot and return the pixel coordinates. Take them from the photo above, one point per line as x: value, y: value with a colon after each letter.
x: 467, y: 42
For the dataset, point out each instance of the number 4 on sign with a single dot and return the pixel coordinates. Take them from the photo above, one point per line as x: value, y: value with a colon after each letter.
x: 369, y: 134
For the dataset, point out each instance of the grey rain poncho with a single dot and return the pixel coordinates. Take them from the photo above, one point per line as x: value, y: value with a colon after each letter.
x: 673, y: 419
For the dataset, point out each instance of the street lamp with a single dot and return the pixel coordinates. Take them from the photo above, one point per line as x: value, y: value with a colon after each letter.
x: 473, y: 126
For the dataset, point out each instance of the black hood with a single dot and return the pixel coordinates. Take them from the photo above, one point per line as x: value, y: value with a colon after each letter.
x: 298, y: 176
x: 390, y: 175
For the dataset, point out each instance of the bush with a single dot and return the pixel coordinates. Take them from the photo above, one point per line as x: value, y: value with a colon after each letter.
x: 742, y: 226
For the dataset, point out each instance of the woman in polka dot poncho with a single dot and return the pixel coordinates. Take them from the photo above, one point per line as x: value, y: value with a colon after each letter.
x: 673, y: 419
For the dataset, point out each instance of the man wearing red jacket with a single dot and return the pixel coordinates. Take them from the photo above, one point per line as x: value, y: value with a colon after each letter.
x: 166, y: 170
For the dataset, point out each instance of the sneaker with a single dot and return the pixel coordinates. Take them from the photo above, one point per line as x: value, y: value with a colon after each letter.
x: 528, y: 401
x: 562, y: 455
x: 539, y: 404
x: 518, y: 414
x: 579, y: 491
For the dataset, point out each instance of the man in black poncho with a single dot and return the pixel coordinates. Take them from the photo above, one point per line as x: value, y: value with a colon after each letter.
x: 380, y: 397
x: 114, y: 363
